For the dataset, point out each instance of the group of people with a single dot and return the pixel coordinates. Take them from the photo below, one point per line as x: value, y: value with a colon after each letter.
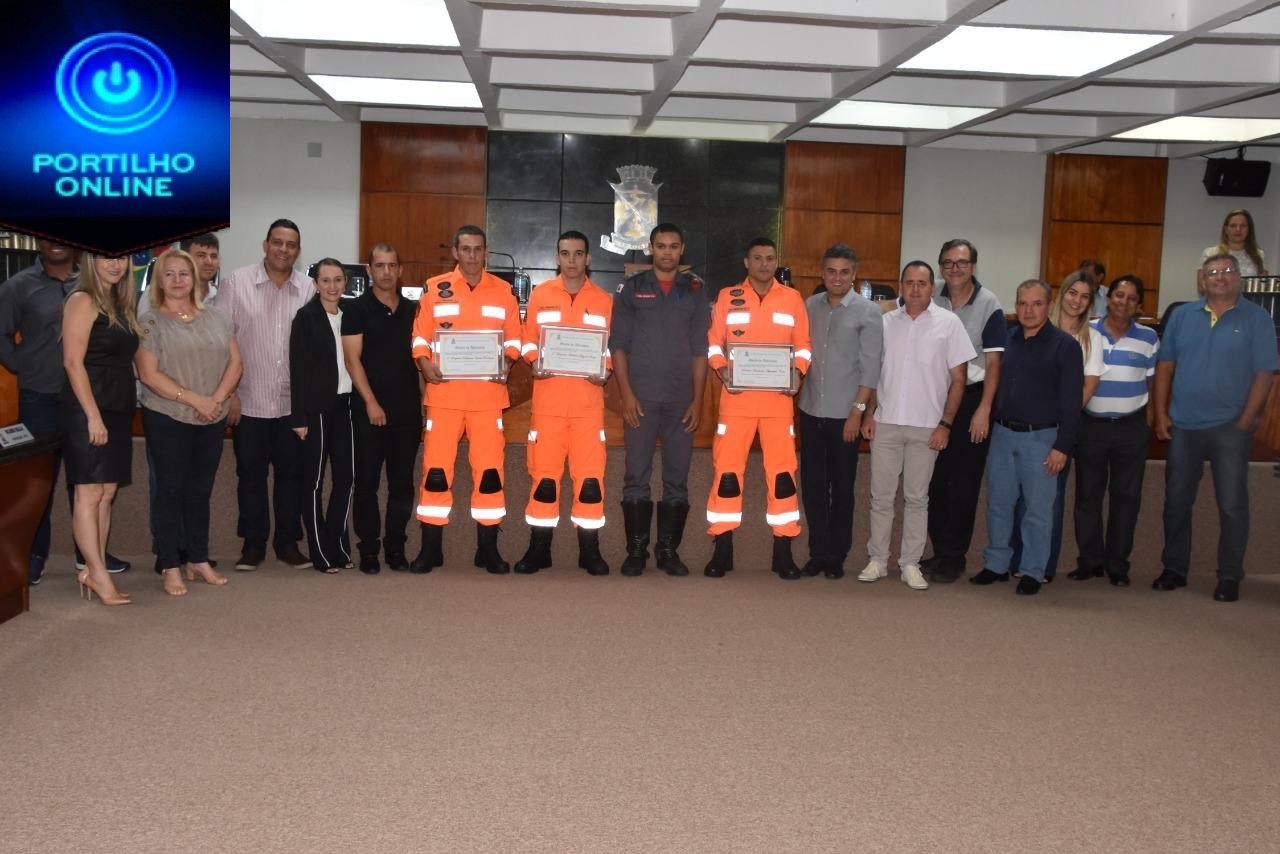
x: 937, y: 382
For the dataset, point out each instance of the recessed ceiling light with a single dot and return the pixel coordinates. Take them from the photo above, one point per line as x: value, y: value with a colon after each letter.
x: 1204, y: 129
x: 1037, y: 53
x: 409, y: 22
x: 386, y: 90
x: 882, y: 114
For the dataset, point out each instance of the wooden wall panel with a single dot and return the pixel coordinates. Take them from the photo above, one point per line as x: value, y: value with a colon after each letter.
x: 1109, y: 208
x: 418, y: 183
x: 1123, y: 248
x: 8, y: 398
x: 842, y: 193
x: 435, y: 159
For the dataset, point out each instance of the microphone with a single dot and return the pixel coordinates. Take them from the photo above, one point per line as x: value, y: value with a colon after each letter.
x: 506, y: 255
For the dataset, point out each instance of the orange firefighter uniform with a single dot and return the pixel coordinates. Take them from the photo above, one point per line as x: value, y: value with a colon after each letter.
x: 473, y: 407
x: 568, y: 412
x: 741, y: 316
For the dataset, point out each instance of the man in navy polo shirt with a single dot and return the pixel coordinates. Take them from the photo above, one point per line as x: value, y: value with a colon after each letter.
x: 1034, y: 428
x: 1213, y: 375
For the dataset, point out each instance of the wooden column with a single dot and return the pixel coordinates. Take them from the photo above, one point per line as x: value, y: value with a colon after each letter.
x: 1109, y: 208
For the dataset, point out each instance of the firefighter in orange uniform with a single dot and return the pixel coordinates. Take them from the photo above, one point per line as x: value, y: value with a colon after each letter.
x: 469, y: 298
x: 568, y: 413
x: 759, y: 310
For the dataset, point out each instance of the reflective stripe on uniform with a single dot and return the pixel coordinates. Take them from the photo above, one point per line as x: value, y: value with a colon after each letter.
x: 804, y: 354
x: 784, y: 319
x: 528, y: 348
x: 713, y: 517
x: 721, y: 429
x: 483, y: 513
x: 446, y: 310
x: 737, y: 318
x: 782, y: 518
x: 433, y: 512
x: 714, y: 350
x: 496, y: 311
x: 589, y: 524
x: 593, y: 320
x: 548, y: 317
x: 541, y: 523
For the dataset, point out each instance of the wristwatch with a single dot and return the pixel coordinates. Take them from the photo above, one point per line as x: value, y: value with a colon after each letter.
x: 944, y: 423
x: 858, y: 405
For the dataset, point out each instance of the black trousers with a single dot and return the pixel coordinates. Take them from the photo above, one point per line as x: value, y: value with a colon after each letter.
x: 185, y: 458
x: 263, y: 444
x: 660, y: 420
x: 828, y: 466
x: 1111, y: 460
x: 328, y: 441
x: 956, y: 482
x: 394, y: 447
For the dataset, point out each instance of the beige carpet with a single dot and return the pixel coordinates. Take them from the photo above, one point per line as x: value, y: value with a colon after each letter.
x: 290, y: 711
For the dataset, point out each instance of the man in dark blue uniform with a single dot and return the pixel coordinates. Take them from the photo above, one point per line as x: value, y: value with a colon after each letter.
x: 659, y: 346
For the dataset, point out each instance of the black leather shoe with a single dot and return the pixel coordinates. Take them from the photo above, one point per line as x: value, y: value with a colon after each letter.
x: 722, y: 558
x: 432, y: 553
x: 397, y: 562
x: 1169, y: 580
x: 1118, y: 580
x: 988, y: 577
x: 1228, y: 590
x: 369, y: 564
x: 1085, y: 573
x: 1027, y: 586
x: 834, y: 570
x: 290, y: 556
x: 929, y: 564
x: 944, y: 571
x: 251, y: 558
x: 538, y: 555
x: 814, y: 567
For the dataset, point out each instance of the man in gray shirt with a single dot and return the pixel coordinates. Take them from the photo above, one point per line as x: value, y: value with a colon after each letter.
x: 847, y: 333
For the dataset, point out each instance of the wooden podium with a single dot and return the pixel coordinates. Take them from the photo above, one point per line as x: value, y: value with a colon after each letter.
x: 26, y: 479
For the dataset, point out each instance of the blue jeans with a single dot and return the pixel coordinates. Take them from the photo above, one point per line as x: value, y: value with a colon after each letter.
x: 39, y: 412
x: 1226, y: 447
x: 1015, y: 470
x: 1055, y: 536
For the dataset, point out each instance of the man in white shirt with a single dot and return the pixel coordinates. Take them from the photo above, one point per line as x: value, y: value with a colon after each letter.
x: 922, y: 381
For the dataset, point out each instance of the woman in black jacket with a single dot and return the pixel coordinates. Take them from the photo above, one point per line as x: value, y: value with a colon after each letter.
x: 320, y: 388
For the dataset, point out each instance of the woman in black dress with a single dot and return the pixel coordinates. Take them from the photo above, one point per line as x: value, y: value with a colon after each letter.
x: 99, y: 337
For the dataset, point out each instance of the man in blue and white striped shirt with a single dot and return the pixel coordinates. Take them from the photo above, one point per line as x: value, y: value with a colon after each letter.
x: 1114, y: 435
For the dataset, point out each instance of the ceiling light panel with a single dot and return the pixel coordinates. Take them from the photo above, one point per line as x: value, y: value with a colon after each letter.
x: 409, y: 65
x: 1028, y: 52
x: 887, y: 115
x: 1204, y: 129
x: 561, y: 33
x: 754, y: 82
x: 379, y: 90
x: 780, y: 43
x: 406, y: 22
x: 571, y: 73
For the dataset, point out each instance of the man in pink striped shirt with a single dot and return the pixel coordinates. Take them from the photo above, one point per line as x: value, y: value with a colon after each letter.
x: 261, y: 300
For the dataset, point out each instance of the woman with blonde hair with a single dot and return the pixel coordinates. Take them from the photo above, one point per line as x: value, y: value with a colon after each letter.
x: 189, y: 365
x: 99, y: 337
x: 1070, y: 313
x: 1240, y: 242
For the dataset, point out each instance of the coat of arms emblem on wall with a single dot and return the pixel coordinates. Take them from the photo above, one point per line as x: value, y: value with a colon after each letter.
x: 635, y: 209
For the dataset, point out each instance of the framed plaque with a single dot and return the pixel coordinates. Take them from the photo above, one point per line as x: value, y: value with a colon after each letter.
x: 760, y: 367
x: 469, y: 354
x: 572, y: 351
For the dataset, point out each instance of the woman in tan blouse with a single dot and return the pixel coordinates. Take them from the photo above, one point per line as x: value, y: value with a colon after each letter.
x: 189, y: 365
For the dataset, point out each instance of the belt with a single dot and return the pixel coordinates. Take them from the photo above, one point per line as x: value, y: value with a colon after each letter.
x: 1137, y: 413
x: 1023, y: 426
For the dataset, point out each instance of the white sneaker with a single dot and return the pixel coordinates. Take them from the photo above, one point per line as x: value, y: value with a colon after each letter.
x: 913, y: 578
x: 874, y: 571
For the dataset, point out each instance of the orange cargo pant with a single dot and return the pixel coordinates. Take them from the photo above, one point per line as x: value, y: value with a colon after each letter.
x: 552, y: 439
x: 729, y: 458
x: 486, y: 454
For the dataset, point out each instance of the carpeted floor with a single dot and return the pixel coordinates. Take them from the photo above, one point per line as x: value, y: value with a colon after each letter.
x: 289, y: 711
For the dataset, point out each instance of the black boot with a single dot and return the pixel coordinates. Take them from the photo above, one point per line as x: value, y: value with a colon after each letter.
x: 671, y: 518
x: 539, y: 554
x: 589, y: 553
x: 487, y: 556
x: 637, y: 515
x: 783, y: 564
x: 432, y: 555
x: 722, y: 558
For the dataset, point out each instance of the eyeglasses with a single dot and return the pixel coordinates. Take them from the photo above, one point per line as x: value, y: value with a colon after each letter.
x: 1219, y: 271
x: 949, y: 264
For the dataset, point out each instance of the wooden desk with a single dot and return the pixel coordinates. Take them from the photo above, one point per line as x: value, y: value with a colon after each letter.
x: 26, y: 478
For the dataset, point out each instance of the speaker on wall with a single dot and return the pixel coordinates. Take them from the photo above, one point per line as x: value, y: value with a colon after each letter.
x: 1236, y: 176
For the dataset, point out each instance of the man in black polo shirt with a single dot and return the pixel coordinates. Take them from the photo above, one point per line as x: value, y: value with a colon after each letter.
x: 1033, y: 431
x: 659, y: 345
x: 386, y: 412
